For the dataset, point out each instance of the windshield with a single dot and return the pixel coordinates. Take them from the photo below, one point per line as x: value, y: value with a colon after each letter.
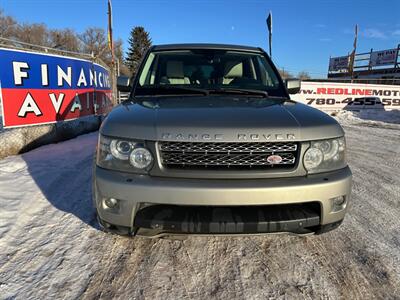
x: 186, y: 70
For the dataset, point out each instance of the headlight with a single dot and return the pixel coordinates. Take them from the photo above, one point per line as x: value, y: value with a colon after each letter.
x: 123, y: 155
x: 313, y: 158
x: 121, y: 149
x: 325, y: 155
x: 141, y: 158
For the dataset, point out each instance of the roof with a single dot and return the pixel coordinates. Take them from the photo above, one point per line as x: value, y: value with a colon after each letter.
x: 206, y: 46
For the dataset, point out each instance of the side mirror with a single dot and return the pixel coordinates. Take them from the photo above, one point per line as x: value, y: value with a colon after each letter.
x: 123, y: 84
x: 293, y: 85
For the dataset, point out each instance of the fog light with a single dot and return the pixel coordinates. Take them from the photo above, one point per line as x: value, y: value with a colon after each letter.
x: 338, y: 203
x: 110, y: 202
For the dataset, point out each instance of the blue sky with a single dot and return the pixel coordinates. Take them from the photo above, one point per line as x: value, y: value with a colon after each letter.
x: 305, y: 33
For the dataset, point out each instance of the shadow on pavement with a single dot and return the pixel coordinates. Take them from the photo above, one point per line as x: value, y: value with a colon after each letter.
x: 63, y: 172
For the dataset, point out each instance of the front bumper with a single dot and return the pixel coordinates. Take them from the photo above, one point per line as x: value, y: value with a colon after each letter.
x: 135, y: 192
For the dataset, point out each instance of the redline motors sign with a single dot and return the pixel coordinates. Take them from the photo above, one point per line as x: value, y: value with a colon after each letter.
x: 338, y: 63
x: 385, y: 57
x: 42, y: 88
x: 334, y: 96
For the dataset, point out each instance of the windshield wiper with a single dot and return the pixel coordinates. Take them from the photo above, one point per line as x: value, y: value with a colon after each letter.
x: 239, y: 91
x: 181, y: 89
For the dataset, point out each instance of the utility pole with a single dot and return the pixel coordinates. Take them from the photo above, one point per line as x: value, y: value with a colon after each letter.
x: 353, y: 54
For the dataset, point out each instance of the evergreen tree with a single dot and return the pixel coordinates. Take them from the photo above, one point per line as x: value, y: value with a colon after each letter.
x: 139, y: 42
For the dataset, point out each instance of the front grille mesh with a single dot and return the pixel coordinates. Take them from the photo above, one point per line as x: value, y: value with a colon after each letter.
x: 227, y: 147
x: 223, y: 155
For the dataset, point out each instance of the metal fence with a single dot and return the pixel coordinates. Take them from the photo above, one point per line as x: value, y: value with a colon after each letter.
x: 15, y: 44
x: 367, y: 68
x: 122, y: 96
x: 371, y: 80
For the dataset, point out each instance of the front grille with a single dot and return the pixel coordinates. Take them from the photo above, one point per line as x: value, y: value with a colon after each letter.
x: 228, y: 156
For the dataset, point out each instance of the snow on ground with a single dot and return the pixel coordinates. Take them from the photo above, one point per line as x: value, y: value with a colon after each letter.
x: 1, y: 115
x: 370, y: 117
x: 51, y: 246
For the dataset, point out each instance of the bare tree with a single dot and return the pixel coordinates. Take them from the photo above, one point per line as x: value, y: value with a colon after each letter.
x: 36, y: 34
x: 285, y: 74
x: 118, y: 50
x: 95, y: 41
x: 92, y: 40
x: 64, y: 39
x: 119, y: 56
x: 303, y: 75
x: 7, y: 25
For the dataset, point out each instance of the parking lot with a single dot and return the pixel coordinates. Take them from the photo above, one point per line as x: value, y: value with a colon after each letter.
x: 51, y: 246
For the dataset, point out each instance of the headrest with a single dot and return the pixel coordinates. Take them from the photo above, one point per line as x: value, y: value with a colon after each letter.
x: 175, y: 69
x: 232, y: 71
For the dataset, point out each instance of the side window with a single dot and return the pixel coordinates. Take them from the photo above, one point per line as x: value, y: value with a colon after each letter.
x: 267, y: 74
x: 147, y: 77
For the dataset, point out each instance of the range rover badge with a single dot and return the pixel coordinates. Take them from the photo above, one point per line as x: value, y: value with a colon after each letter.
x: 274, y: 159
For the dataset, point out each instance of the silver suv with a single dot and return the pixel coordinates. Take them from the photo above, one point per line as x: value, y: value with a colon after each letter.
x: 209, y: 142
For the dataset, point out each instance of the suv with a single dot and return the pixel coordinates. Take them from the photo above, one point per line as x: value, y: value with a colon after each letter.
x: 209, y: 142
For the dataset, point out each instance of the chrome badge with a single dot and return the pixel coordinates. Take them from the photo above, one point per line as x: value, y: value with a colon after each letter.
x: 274, y: 159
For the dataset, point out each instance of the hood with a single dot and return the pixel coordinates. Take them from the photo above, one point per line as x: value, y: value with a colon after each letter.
x: 219, y: 118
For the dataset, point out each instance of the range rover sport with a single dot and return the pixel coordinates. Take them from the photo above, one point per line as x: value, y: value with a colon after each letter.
x: 209, y: 142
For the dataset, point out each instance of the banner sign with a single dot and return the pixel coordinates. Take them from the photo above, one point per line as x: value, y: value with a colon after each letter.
x: 338, y: 63
x: 349, y: 96
x: 40, y: 88
x: 385, y: 57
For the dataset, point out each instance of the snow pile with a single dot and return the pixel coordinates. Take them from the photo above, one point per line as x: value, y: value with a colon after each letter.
x: 19, y: 140
x: 371, y: 117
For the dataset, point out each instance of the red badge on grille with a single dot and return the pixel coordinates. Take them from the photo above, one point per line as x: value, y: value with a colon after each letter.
x: 274, y: 159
